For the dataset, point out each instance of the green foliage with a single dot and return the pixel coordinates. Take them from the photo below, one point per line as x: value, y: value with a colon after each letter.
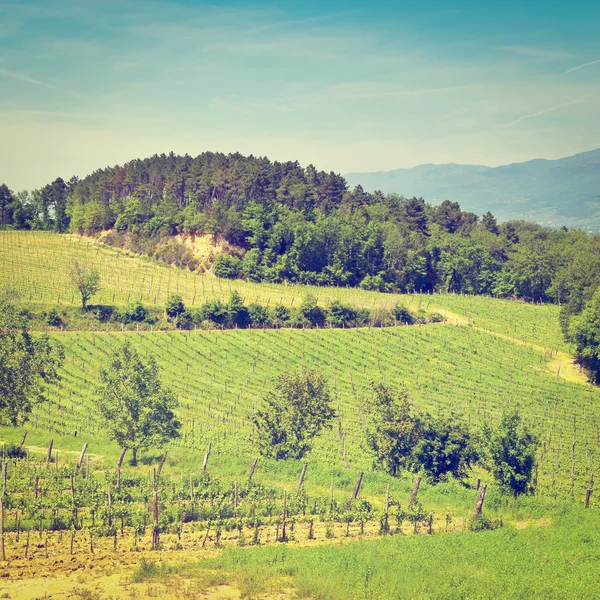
x: 26, y: 363
x: 227, y: 266
x: 444, y: 448
x: 137, y: 410
x: 402, y: 438
x: 584, y: 331
x: 85, y: 280
x: 296, y: 409
x: 393, y: 428
x: 511, y: 453
x: 311, y: 312
x: 174, y: 306
x: 53, y: 318
x: 402, y: 314
x: 237, y: 313
x: 133, y: 313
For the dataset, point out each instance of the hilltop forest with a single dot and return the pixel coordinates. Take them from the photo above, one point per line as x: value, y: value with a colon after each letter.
x: 283, y: 222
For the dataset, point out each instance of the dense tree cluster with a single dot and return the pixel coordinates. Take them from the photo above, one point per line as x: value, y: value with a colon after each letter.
x: 404, y: 439
x: 290, y: 223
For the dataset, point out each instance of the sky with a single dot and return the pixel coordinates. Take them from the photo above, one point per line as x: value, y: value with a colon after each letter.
x: 346, y: 86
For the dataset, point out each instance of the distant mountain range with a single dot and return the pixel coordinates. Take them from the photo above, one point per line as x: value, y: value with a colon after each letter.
x: 551, y: 192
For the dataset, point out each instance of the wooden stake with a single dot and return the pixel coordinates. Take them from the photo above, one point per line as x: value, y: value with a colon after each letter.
x: 80, y: 461
x: 357, y: 486
x: 284, y: 517
x: 206, y: 456
x: 301, y: 480
x: 49, y: 453
x: 162, y: 462
x: 588, y: 493
x: 252, y: 469
x: 2, y: 550
x: 479, y: 504
x: 235, y: 499
x: 23, y: 439
x: 415, y: 491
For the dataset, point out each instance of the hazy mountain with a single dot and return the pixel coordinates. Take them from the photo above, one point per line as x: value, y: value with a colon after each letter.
x: 553, y: 192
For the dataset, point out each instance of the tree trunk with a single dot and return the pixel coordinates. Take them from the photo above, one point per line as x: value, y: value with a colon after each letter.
x: 134, y: 457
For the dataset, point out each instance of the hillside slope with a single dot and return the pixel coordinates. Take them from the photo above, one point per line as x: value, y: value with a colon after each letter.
x: 553, y: 192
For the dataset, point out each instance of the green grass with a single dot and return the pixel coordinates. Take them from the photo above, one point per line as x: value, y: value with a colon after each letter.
x: 557, y: 558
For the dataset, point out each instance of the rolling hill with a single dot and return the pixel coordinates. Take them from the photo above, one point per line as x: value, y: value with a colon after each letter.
x: 551, y: 192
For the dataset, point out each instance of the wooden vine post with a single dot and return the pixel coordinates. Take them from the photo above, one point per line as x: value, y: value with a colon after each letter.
x: 235, y: 499
x: 49, y: 452
x: 252, y: 469
x: 81, y: 456
x: 155, y: 530
x: 588, y: 493
x: 161, y: 463
x: 356, y: 490
x: 2, y: 549
x: 415, y: 491
x: 284, y: 517
x: 301, y: 480
x: 479, y: 504
x: 119, y: 464
x: 206, y: 457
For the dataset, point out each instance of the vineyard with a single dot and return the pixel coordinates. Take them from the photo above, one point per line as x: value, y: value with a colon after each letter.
x: 64, y: 508
x: 36, y: 264
x: 448, y: 370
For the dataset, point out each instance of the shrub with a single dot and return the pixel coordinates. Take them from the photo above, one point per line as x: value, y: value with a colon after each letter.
x: 53, y: 318
x: 280, y: 315
x: 102, y: 313
x: 340, y: 315
x: 174, y: 306
x: 310, y: 310
x: 259, y: 315
x: 402, y: 314
x: 237, y: 313
x: 184, y: 320
x: 214, y: 311
x: 375, y: 283
x: 15, y: 451
x: 227, y: 266
x: 132, y: 313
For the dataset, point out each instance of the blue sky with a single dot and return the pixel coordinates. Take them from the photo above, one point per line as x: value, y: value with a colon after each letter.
x: 347, y: 86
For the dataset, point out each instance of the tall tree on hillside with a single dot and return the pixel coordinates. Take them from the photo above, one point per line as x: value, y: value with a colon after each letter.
x: 393, y: 428
x: 26, y: 363
x: 489, y: 223
x: 584, y: 331
x: 86, y: 281
x: 511, y: 453
x: 6, y: 199
x: 296, y: 409
x: 137, y: 409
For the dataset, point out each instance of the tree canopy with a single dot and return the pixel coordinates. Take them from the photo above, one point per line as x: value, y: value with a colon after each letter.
x: 137, y: 409
x: 294, y: 411
x: 26, y: 363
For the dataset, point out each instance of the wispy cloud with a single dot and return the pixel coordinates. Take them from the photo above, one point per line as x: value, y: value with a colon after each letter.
x: 583, y: 66
x: 551, y: 109
x: 536, y: 52
x: 23, y: 77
